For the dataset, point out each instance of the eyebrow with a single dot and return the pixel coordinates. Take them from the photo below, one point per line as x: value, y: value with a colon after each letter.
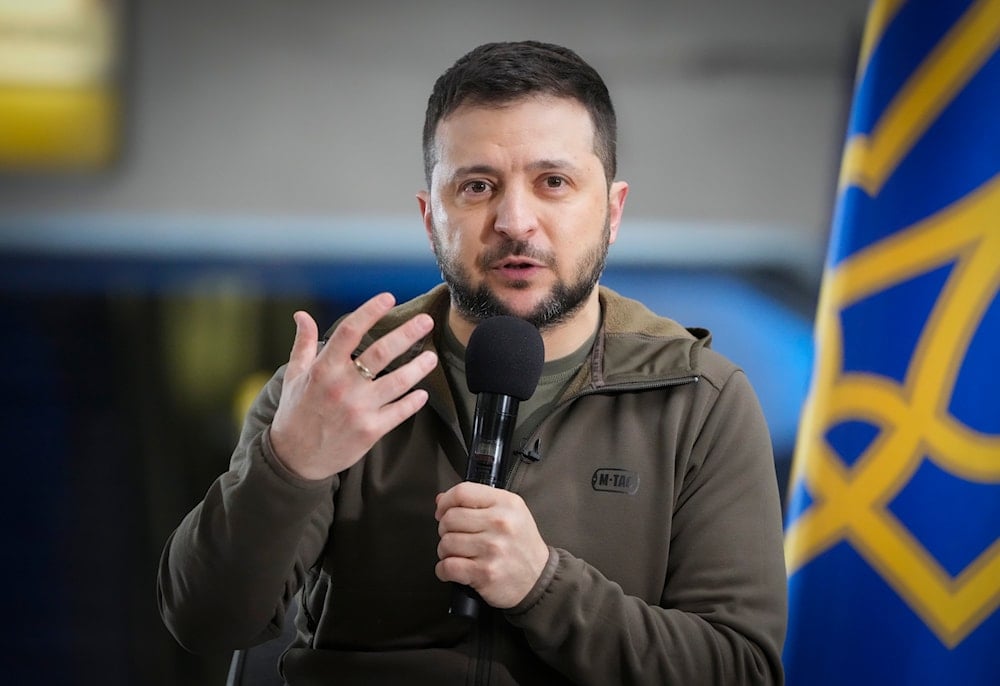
x: 538, y: 165
x: 473, y: 169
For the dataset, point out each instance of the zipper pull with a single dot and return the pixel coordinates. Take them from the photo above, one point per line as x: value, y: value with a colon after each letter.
x: 531, y: 454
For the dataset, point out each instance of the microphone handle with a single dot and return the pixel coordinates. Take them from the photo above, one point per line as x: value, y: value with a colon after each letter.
x: 492, y: 428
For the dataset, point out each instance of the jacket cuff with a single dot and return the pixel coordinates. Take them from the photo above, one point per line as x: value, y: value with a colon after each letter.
x: 286, y: 475
x: 540, y: 587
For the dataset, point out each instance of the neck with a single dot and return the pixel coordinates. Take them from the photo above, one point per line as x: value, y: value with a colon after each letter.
x: 560, y: 340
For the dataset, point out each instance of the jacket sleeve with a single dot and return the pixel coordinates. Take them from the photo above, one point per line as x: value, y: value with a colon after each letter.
x: 233, y: 564
x: 722, y: 614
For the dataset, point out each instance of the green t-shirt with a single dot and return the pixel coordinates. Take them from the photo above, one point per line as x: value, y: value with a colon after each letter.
x: 556, y: 374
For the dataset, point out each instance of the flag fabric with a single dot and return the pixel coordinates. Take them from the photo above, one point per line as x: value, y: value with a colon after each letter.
x: 892, y: 538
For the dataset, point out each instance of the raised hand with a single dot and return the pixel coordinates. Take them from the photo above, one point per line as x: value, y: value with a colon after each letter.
x: 332, y: 408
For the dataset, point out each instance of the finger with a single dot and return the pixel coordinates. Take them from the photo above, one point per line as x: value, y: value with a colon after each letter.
x: 457, y: 569
x: 352, y: 328
x: 382, y: 352
x: 458, y: 544
x: 466, y: 494
x: 463, y: 520
x: 397, y: 412
x: 460, y: 559
x: 391, y: 386
x: 305, y: 344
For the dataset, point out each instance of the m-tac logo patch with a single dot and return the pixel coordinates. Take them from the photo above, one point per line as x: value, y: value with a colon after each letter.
x: 613, y: 480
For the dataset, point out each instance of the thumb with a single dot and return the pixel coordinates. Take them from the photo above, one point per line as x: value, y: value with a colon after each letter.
x: 305, y: 345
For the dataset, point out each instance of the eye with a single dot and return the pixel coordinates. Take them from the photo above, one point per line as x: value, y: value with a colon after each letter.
x: 475, y: 187
x: 554, y: 181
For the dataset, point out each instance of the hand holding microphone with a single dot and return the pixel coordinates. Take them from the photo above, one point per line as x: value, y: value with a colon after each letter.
x: 480, y: 528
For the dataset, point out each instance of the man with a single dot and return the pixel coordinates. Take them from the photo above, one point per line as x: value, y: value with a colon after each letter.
x: 638, y: 536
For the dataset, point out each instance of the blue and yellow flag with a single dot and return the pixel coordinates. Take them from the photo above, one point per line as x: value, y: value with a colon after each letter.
x: 893, y: 526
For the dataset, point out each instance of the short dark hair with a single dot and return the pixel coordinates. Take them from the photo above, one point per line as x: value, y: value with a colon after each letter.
x: 499, y: 73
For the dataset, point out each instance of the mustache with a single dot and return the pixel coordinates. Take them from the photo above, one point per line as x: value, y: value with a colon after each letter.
x: 511, y: 248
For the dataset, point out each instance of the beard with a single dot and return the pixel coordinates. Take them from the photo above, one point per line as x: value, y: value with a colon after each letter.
x: 476, y: 303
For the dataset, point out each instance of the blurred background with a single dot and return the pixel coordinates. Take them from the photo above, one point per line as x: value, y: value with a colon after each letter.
x: 178, y: 177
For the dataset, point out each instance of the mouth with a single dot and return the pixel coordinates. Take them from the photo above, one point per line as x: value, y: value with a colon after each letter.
x: 517, y: 263
x: 517, y: 268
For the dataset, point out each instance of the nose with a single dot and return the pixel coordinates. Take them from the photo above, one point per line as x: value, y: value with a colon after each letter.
x: 516, y: 216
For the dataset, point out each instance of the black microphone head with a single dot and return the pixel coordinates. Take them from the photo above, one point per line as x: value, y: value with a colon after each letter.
x: 504, y: 356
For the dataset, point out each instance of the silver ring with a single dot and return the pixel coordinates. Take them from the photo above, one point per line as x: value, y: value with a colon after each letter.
x: 363, y: 370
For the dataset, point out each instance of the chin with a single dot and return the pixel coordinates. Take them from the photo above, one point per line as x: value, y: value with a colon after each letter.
x: 523, y: 306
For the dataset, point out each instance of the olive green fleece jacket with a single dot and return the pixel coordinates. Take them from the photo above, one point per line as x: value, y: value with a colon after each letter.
x: 651, y: 479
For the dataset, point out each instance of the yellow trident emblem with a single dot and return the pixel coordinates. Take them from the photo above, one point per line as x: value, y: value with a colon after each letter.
x: 851, y: 503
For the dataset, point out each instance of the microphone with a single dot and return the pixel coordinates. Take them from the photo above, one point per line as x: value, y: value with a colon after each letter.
x: 503, y: 363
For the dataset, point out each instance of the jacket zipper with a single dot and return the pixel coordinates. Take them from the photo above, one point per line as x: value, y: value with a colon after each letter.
x: 484, y: 651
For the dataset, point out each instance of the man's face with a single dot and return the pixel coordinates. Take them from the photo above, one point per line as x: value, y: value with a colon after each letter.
x: 519, y: 212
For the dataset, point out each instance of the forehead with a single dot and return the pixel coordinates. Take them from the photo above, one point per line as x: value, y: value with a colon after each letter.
x: 537, y: 125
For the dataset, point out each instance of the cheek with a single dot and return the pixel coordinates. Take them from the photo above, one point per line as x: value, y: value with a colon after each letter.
x: 579, y: 229
x: 449, y: 243
x: 461, y: 233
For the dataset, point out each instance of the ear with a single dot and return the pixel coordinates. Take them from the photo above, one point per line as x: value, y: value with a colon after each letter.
x: 616, y: 207
x: 424, y: 202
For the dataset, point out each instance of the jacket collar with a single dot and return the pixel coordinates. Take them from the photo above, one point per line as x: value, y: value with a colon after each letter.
x: 633, y: 347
